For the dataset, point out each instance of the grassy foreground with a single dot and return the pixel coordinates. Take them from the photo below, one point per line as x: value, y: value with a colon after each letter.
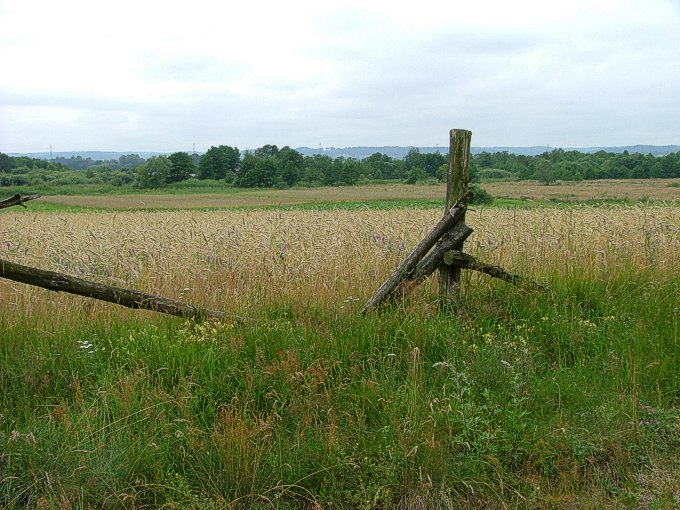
x: 567, y: 400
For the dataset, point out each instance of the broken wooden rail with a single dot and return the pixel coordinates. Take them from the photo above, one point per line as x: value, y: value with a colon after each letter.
x: 442, y: 246
x: 60, y: 282
x: 17, y: 199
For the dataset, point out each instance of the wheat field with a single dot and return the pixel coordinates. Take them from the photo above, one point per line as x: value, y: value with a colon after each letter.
x: 231, y: 260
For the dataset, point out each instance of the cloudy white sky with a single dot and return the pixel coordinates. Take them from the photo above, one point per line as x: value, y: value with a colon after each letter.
x: 147, y: 75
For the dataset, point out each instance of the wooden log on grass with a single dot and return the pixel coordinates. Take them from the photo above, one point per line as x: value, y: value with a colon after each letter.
x: 17, y: 199
x: 125, y: 297
x: 457, y: 180
x: 450, y: 219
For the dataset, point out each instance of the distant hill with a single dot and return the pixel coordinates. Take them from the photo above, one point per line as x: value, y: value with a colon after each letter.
x: 400, y: 152
x: 392, y: 151
x: 656, y: 150
x: 94, y: 155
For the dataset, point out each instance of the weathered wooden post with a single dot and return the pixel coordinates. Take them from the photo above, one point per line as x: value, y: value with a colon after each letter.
x: 442, y: 247
x: 457, y: 181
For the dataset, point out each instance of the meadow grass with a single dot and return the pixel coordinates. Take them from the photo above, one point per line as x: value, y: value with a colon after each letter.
x: 508, y: 398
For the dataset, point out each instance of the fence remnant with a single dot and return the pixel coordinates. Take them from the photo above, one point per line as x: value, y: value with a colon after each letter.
x: 17, y: 199
x: 405, y: 269
x: 60, y: 282
x: 442, y: 247
x: 466, y: 261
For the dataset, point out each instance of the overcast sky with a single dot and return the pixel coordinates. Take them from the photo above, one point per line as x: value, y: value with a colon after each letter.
x: 140, y: 75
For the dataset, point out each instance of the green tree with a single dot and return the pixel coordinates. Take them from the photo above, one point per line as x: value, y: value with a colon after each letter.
x: 317, y: 169
x: 349, y: 172
x: 130, y: 161
x: 443, y: 172
x: 544, y: 171
x: 291, y: 164
x: 290, y: 174
x: 5, y: 163
x: 412, y: 159
x: 182, y: 166
x: 378, y: 166
x: 153, y: 173
x: 219, y: 163
x: 257, y: 172
x: 267, y: 151
x: 415, y: 174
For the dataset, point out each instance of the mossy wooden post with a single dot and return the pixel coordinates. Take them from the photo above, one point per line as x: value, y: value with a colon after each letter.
x: 457, y: 181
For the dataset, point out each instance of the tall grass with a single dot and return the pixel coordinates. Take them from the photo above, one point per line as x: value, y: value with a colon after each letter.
x: 563, y: 399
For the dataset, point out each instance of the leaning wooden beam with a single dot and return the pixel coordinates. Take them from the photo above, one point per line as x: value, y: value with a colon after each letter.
x: 17, y: 200
x: 433, y: 260
x: 465, y: 261
x: 450, y: 218
x: 129, y: 298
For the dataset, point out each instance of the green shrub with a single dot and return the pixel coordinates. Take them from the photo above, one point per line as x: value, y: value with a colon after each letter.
x: 479, y: 195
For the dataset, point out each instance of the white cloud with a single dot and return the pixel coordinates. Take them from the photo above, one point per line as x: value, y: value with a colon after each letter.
x: 152, y: 75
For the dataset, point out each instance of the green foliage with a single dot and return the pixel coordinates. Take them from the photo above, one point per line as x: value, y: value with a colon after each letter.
x: 381, y: 166
x: 182, y: 167
x: 154, y: 173
x: 574, y: 165
x: 219, y: 163
x: 130, y: 161
x: 416, y: 174
x: 545, y: 172
x: 6, y: 163
x: 429, y: 163
x: 479, y: 195
x: 257, y: 172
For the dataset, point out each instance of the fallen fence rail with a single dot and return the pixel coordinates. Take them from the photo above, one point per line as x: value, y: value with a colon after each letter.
x: 60, y: 282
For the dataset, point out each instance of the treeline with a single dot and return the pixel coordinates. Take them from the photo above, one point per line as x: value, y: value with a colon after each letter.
x: 80, y: 163
x: 270, y: 166
x: 267, y: 166
x: 561, y: 165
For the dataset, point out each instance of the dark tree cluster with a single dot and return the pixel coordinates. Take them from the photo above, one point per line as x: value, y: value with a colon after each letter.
x: 270, y: 166
x: 561, y: 165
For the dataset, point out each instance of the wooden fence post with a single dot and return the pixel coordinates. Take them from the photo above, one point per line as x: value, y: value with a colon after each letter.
x: 457, y: 180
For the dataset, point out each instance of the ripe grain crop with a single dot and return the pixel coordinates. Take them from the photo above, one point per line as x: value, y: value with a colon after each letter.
x: 240, y: 260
